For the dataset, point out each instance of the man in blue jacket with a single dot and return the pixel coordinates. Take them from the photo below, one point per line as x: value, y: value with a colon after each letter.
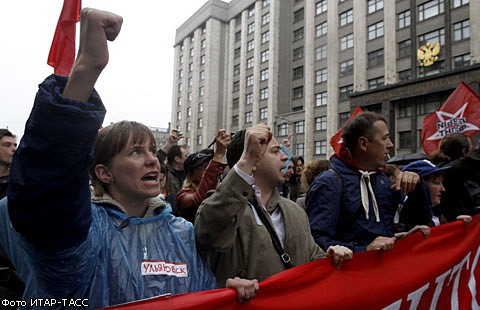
x: 353, y: 204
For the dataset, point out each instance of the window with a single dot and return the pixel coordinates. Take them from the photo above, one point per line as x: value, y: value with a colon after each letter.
x: 200, y: 107
x: 236, y: 53
x: 375, y: 30
x: 250, y: 45
x: 203, y: 44
x: 404, y: 48
x: 375, y: 83
x: 250, y: 63
x: 235, y: 120
x: 436, y: 68
x: 251, y: 28
x: 190, y: 81
x: 298, y: 92
x: 264, y: 93
x: 461, y: 30
x: 181, y: 59
x: 321, y: 75
x: 189, y: 111
x: 265, y: 18
x: 189, y: 126
x: 300, y: 149
x: 298, y: 73
x: 427, y: 107
x: 405, y: 75
x: 199, y: 140
x: 321, y: 147
x: 190, y: 67
x: 374, y: 5
x: 263, y: 113
x: 200, y: 123
x: 236, y: 86
x: 405, y: 139
x: 265, y: 3
x: 202, y: 75
x: 298, y: 34
x: 375, y: 58
x: 248, y: 117
x: 405, y: 109
x: 249, y: 98
x: 236, y: 69
x: 434, y: 37
x: 202, y: 59
x: 180, y: 87
x: 192, y: 52
x: 250, y: 80
x: 179, y: 101
x: 298, y: 53
x: 201, y: 90
x: 251, y: 11
x: 298, y: 15
x: 238, y: 19
x: 461, y: 61
x: 321, y: 99
x: 235, y: 103
x: 264, y: 56
x: 345, y: 92
x: 179, y: 115
x: 265, y: 37
x: 343, y: 117
x: 346, y: 17
x: 321, y: 52
x: 346, y: 41
x: 430, y: 9
x: 320, y: 7
x: 459, y: 3
x: 180, y: 73
x: 321, y: 123
x: 346, y: 68
x: 264, y: 75
x: 300, y: 127
x: 238, y: 36
x: 283, y: 129
x: 404, y: 19
x: 321, y: 29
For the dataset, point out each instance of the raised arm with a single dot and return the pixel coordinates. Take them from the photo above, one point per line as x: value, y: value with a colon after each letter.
x: 49, y: 194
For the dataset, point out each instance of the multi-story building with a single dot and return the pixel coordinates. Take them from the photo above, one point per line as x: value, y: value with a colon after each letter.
x: 301, y: 66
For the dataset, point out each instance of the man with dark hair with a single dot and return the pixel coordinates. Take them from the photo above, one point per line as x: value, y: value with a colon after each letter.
x: 175, y: 158
x: 354, y: 203
x: 8, y: 145
x: 11, y: 287
x: 245, y: 228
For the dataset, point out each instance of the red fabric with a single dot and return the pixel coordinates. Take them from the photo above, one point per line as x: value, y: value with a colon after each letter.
x: 408, y: 277
x: 336, y: 140
x: 459, y: 113
x: 62, y: 51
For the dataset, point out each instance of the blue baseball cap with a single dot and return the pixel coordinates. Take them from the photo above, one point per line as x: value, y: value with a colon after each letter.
x: 424, y: 167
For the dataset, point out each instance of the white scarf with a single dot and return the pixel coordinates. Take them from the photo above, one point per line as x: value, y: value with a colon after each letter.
x: 365, y: 187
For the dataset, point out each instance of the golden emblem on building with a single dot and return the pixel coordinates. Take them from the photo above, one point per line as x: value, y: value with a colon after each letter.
x: 428, y: 53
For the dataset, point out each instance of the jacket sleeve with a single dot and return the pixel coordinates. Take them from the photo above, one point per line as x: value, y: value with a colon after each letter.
x: 49, y: 193
x: 218, y: 217
x: 323, y: 204
x: 188, y: 201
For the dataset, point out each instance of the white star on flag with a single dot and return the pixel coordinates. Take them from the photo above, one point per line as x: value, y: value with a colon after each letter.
x: 442, y: 116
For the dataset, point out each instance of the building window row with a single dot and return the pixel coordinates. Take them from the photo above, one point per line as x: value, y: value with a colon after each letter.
x: 430, y: 9
x: 320, y: 7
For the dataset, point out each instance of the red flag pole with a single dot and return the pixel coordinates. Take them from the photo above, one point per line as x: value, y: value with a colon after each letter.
x: 62, y: 51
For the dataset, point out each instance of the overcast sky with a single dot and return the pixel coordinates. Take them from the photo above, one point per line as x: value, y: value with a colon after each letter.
x: 137, y: 83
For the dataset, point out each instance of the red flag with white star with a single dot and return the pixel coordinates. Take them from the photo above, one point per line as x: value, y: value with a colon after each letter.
x: 62, y: 52
x: 459, y: 113
x: 336, y: 140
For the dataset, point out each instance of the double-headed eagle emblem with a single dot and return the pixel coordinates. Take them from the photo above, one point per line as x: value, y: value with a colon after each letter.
x: 428, y: 53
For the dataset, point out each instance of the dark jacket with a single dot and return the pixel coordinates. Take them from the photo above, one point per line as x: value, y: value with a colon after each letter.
x: 335, y: 210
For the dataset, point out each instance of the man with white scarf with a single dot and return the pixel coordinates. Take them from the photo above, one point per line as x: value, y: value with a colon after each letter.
x: 353, y: 204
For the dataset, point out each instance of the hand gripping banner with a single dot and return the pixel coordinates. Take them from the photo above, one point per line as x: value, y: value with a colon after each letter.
x: 441, y: 272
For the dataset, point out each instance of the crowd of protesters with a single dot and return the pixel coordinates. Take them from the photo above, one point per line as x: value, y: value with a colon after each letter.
x: 115, y: 220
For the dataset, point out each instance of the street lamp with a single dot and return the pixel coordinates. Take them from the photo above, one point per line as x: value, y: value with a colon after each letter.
x: 294, y: 134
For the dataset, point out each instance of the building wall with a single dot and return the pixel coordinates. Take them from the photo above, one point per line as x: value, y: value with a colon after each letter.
x: 366, y: 73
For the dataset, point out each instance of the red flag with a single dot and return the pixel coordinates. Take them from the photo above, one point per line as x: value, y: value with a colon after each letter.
x: 336, y: 140
x: 62, y: 51
x: 459, y: 113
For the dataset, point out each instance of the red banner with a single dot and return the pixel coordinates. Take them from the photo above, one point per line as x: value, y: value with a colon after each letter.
x: 435, y: 273
x: 336, y: 140
x: 459, y: 113
x: 62, y: 51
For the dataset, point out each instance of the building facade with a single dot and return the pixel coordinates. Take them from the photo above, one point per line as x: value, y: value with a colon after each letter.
x: 301, y: 66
